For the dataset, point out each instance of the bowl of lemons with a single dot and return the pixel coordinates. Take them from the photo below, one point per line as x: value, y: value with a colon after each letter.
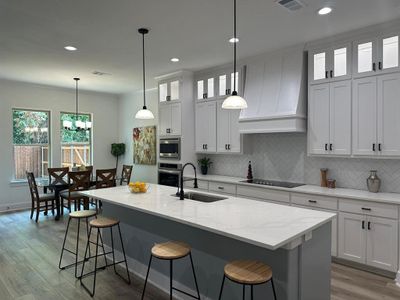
x: 138, y: 187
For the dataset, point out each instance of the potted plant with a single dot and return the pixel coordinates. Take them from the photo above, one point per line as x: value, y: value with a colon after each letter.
x: 204, y: 164
x: 117, y: 149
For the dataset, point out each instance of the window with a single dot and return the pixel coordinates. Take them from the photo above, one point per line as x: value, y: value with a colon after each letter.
x: 31, y: 142
x: 76, y: 146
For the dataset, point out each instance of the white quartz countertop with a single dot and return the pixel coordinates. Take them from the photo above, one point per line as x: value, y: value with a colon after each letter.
x: 264, y: 224
x: 392, y: 198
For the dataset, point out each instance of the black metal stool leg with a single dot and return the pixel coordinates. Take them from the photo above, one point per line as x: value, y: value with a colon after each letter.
x: 84, y: 258
x: 244, y: 292
x: 171, y: 272
x: 112, y: 249
x: 273, y: 287
x: 91, y: 292
x: 147, y: 276
x: 222, y: 287
x: 88, y: 235
x: 123, y: 252
x: 194, y: 276
x: 252, y: 292
x: 63, y: 246
x: 77, y: 249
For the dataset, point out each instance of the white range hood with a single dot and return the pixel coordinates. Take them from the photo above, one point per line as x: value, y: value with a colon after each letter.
x: 276, y: 93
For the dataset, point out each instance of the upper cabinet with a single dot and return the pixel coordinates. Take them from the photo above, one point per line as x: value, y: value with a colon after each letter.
x: 376, y: 55
x: 170, y: 119
x: 228, y: 136
x: 330, y: 64
x: 169, y: 90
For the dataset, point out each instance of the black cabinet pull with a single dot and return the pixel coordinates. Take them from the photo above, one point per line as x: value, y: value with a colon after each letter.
x: 226, y: 147
x: 326, y: 74
x: 374, y: 67
x: 229, y: 146
x: 205, y: 96
x: 373, y: 147
x: 168, y: 98
x: 369, y: 225
x: 312, y: 201
x: 380, y: 65
x: 220, y: 187
x: 366, y: 208
x: 206, y: 146
x: 331, y: 74
x: 380, y: 147
x: 330, y: 147
x: 326, y: 147
x: 363, y: 224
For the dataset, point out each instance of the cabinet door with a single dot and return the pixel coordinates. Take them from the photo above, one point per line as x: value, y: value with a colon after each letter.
x: 176, y: 119
x: 235, y: 143
x: 206, y: 127
x: 200, y: 127
x: 388, y: 115
x: 365, y: 56
x: 382, y: 243
x: 200, y: 89
x: 318, y: 133
x: 340, y: 62
x: 389, y: 54
x: 163, y: 91
x: 340, y: 118
x: 174, y: 91
x: 165, y: 119
x: 223, y: 130
x: 364, y: 116
x: 352, y: 237
x: 318, y: 66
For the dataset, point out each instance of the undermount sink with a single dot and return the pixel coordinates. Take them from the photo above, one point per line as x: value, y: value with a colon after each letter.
x: 202, y: 197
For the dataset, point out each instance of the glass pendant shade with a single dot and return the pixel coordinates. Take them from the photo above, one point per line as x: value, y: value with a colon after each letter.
x: 234, y: 102
x: 144, y: 114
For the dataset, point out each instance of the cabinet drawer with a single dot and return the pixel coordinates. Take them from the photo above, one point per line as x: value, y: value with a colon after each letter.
x: 263, y: 193
x: 202, y: 184
x: 315, y: 201
x: 220, y: 187
x: 369, y: 208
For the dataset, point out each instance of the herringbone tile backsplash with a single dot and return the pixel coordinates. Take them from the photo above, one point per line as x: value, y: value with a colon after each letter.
x: 284, y: 157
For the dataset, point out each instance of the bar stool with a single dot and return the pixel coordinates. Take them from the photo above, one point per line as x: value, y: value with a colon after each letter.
x: 76, y: 215
x: 103, y: 223
x: 247, y: 272
x: 171, y: 251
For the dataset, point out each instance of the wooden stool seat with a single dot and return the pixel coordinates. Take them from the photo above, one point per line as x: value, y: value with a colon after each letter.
x: 171, y: 250
x: 248, y: 272
x: 81, y: 214
x: 103, y: 222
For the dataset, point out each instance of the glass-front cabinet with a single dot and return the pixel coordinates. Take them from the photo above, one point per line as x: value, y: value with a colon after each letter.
x: 376, y: 55
x: 169, y: 90
x: 330, y: 64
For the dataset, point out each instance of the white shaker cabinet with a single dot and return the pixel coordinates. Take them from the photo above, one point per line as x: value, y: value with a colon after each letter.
x: 330, y: 118
x: 169, y: 90
x: 170, y: 119
x: 228, y: 136
x: 206, y: 127
x: 352, y: 237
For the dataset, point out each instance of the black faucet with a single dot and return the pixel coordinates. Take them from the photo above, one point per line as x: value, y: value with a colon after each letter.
x: 180, y: 192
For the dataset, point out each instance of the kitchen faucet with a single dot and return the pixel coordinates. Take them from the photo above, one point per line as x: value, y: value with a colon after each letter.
x: 180, y: 192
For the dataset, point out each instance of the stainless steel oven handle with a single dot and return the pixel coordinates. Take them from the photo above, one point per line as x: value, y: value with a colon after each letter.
x: 169, y: 171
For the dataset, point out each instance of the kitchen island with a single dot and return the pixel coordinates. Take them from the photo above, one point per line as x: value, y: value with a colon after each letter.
x: 295, y: 242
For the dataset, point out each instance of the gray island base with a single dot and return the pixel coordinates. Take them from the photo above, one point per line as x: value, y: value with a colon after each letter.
x: 301, y: 270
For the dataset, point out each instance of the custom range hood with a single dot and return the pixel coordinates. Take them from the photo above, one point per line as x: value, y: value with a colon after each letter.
x: 276, y: 91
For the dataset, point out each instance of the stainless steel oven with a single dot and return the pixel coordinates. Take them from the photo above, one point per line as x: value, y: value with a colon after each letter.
x: 170, y: 148
x: 169, y: 174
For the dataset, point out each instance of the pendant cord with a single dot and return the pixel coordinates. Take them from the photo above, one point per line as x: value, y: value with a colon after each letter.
x: 234, y: 45
x: 144, y: 74
x: 76, y: 98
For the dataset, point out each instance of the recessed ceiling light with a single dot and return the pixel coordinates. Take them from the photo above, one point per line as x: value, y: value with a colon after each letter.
x: 325, y: 11
x: 70, y: 48
x: 233, y: 40
x: 174, y: 59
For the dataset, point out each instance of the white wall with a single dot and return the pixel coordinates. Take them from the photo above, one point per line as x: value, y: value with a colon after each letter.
x: 129, y: 104
x: 104, y: 108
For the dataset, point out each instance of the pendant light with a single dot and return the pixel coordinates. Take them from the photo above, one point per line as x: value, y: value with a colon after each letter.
x: 234, y: 101
x: 144, y: 113
x: 79, y: 125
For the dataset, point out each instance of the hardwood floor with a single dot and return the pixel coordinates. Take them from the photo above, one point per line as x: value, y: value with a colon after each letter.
x: 29, y: 255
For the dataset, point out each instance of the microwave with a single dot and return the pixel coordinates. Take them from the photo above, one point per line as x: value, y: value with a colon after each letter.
x: 170, y: 148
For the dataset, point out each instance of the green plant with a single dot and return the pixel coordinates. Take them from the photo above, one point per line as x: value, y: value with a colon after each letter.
x: 117, y: 149
x: 204, y: 162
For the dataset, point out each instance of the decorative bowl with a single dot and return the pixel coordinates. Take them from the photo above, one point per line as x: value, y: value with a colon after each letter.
x: 138, y: 187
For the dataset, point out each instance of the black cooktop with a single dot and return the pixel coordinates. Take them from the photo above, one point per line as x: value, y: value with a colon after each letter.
x: 274, y: 183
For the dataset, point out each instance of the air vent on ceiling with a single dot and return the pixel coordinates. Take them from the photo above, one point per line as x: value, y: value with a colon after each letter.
x: 99, y: 73
x: 291, y: 5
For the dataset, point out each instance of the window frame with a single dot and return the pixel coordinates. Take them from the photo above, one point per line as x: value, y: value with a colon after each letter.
x: 49, y: 138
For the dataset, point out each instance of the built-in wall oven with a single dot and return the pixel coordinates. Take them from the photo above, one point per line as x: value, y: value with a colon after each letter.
x: 170, y: 148
x: 169, y: 174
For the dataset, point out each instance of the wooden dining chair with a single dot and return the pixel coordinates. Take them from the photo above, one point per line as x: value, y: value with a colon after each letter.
x: 90, y: 168
x: 126, y: 174
x: 78, y: 181
x: 105, y: 178
x: 40, y: 202
x: 58, y: 176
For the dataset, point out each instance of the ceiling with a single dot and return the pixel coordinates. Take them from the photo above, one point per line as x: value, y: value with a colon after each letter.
x: 34, y: 32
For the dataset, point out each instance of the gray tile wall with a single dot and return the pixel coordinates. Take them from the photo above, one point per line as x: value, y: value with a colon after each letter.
x: 284, y: 157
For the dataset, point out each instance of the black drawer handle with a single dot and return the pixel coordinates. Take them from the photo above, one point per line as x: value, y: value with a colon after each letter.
x: 366, y: 208
x: 312, y: 201
x: 221, y: 188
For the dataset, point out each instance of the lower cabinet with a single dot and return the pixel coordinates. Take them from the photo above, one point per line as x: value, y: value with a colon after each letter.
x: 369, y: 240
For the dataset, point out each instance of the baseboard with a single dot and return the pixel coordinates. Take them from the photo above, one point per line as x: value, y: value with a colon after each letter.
x: 155, y: 277
x: 397, y: 280
x: 389, y: 274
x: 14, y: 207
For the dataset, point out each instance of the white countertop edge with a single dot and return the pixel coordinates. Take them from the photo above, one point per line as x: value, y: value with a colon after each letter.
x: 213, y: 230
x: 347, y: 193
